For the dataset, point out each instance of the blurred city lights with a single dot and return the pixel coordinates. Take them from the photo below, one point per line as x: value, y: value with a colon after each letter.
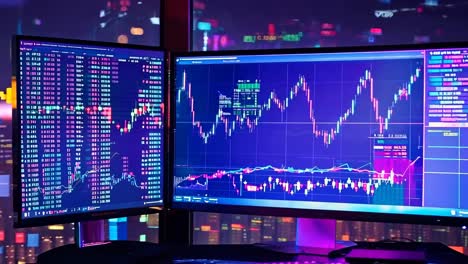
x: 215, y: 42
x: 327, y: 26
x: 155, y: 20
x: 271, y: 29
x: 205, y: 26
x: 197, y: 5
x: 214, y: 22
x: 205, y: 41
x: 431, y: 2
x: 249, y: 39
x: 124, y: 4
x: 223, y: 41
x: 37, y: 22
x: 376, y: 31
x: 328, y: 33
x: 123, y: 39
x: 384, y: 13
x: 137, y: 31
x: 422, y: 39
x: 56, y: 227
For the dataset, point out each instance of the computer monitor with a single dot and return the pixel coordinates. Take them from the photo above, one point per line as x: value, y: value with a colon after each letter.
x: 368, y: 133
x: 89, y: 130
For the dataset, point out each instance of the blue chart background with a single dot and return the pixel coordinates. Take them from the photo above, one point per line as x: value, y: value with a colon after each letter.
x: 126, y: 191
x: 286, y: 139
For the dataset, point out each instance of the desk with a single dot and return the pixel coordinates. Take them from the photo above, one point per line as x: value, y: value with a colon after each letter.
x: 140, y: 252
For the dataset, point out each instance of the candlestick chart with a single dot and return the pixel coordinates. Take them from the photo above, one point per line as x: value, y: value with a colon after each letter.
x: 336, y: 131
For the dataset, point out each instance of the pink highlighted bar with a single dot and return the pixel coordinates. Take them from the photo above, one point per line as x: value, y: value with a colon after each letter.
x: 453, y: 57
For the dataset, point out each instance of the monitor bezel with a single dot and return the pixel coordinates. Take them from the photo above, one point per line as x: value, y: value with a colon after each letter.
x: 18, y: 220
x: 303, y: 213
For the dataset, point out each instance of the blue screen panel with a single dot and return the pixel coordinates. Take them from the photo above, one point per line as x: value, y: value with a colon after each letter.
x: 378, y: 132
x: 91, y: 127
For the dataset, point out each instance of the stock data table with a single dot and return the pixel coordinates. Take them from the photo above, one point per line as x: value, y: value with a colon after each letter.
x: 91, y: 127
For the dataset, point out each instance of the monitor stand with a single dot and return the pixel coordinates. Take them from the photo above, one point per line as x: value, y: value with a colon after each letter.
x: 318, y: 233
x: 317, y: 237
x: 91, y: 247
x: 313, y: 237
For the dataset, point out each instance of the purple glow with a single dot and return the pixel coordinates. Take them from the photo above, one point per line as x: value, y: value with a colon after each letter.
x: 314, y: 233
x: 37, y: 22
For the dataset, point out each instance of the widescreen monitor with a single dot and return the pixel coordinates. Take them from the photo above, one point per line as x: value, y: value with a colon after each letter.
x: 376, y: 133
x: 89, y: 131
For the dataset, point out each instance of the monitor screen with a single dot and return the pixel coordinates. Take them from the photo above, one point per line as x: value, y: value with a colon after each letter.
x: 90, y: 129
x: 376, y: 131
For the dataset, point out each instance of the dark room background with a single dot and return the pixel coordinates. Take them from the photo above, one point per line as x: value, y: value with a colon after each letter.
x: 218, y: 25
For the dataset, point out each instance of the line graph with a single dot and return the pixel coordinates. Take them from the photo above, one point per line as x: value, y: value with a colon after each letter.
x: 328, y: 136
x: 77, y: 178
x: 138, y: 112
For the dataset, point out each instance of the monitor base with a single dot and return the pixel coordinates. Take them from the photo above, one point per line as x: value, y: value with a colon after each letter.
x: 317, y: 237
x: 293, y: 248
x: 399, y: 252
x: 376, y: 252
x: 248, y: 253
